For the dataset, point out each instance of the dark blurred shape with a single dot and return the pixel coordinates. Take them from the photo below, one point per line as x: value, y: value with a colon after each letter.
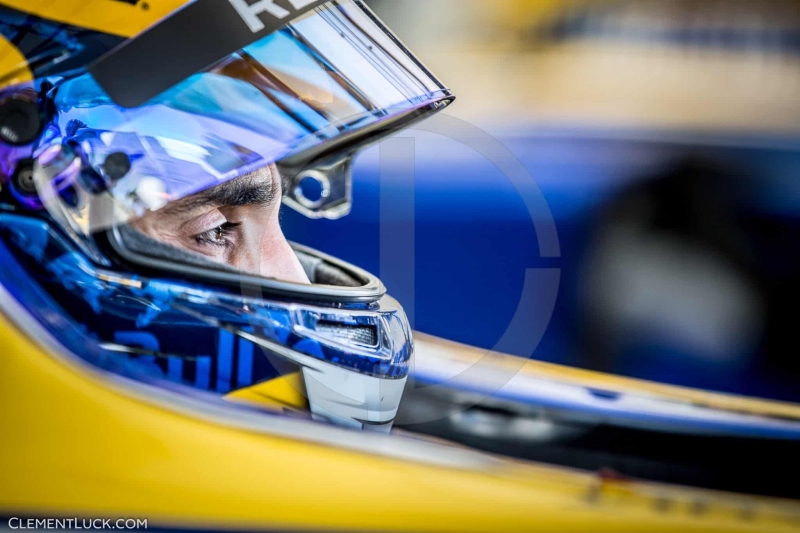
x: 751, y: 465
x: 687, y: 267
x: 769, y: 25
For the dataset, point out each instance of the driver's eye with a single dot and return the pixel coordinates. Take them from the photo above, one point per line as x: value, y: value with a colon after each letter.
x: 219, y: 236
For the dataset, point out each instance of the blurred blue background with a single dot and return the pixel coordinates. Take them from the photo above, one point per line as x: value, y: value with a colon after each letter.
x: 676, y: 195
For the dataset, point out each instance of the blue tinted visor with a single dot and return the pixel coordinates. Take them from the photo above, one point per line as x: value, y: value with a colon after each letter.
x: 335, y: 73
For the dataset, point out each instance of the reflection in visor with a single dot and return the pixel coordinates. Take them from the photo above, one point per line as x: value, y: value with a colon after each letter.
x: 330, y: 74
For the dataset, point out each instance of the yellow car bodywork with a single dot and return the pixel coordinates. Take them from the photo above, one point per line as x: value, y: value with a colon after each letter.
x: 79, y: 442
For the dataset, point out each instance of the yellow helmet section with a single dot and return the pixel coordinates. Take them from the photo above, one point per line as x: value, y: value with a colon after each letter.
x: 125, y: 18
x: 78, y: 444
x: 13, y: 65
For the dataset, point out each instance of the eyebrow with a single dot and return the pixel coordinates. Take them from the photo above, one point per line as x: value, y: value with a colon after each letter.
x: 256, y: 188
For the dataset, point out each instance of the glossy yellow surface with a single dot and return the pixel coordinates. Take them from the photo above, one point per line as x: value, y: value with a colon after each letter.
x: 463, y: 355
x: 285, y: 392
x: 75, y: 444
x: 13, y: 65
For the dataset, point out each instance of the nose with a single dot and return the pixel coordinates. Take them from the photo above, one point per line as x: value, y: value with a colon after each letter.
x: 276, y: 258
x: 279, y: 261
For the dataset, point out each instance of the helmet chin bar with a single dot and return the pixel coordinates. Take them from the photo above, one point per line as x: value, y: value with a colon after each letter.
x: 352, y: 400
x: 362, y: 384
x: 338, y: 395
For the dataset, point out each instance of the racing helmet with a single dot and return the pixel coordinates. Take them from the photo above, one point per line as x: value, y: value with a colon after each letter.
x: 145, y: 150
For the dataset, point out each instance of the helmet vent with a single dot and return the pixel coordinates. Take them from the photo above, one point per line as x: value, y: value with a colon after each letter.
x: 366, y: 335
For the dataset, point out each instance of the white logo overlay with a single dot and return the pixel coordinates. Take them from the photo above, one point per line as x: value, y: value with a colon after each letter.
x: 250, y: 13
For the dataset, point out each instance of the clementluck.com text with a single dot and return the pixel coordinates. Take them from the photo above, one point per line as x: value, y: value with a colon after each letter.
x: 77, y: 523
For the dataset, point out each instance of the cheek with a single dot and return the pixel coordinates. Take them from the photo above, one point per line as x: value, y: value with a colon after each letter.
x: 271, y: 232
x: 278, y: 260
